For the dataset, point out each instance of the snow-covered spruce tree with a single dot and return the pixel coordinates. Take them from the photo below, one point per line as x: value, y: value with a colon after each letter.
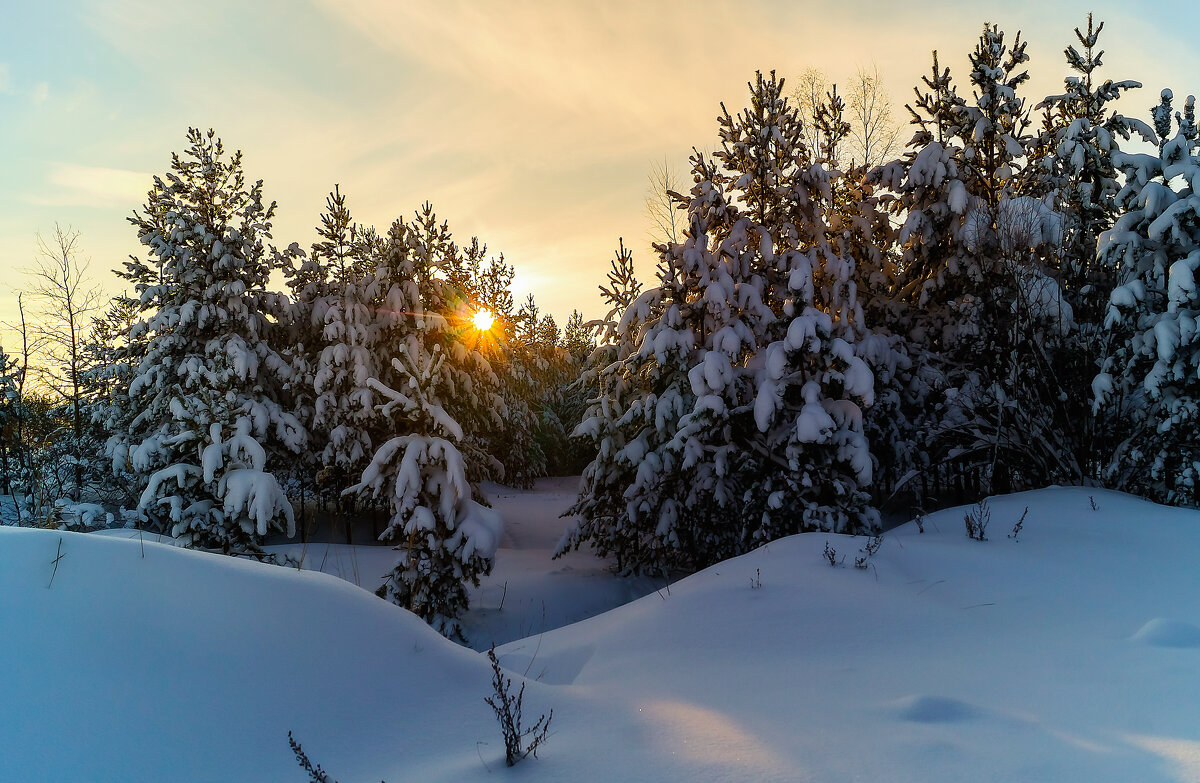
x: 204, y: 423
x: 925, y: 192
x: 1151, y: 377
x: 1085, y: 133
x: 858, y: 227
x: 572, y: 396
x: 1074, y: 164
x: 610, y: 392
x: 11, y: 456
x: 337, y: 291
x: 445, y: 539
x: 739, y: 420
x: 525, y: 368
x: 811, y: 384
x: 978, y: 275
x: 633, y: 493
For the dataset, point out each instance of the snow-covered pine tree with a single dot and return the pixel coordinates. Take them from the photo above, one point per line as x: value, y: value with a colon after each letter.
x: 341, y: 314
x: 107, y: 357
x: 978, y: 279
x: 1008, y: 415
x: 725, y: 423
x: 1074, y: 165
x: 858, y: 227
x: 446, y: 540
x: 554, y: 369
x: 204, y: 423
x: 1085, y: 133
x: 1151, y: 377
x: 11, y: 448
x: 633, y: 494
x: 577, y: 339
x: 473, y: 286
x: 811, y: 384
x: 572, y: 396
x: 474, y: 397
x: 525, y: 372
x: 300, y: 340
x: 116, y: 352
x: 492, y: 291
x: 925, y: 193
x: 609, y: 391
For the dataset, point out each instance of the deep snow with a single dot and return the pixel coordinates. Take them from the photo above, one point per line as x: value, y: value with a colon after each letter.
x: 1071, y: 654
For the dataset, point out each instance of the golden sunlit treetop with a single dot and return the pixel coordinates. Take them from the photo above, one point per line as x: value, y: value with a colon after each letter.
x: 483, y: 320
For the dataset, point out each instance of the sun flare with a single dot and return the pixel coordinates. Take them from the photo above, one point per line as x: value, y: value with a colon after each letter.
x: 483, y: 320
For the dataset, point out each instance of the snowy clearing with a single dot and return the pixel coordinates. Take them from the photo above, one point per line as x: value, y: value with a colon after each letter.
x: 527, y: 592
x: 1070, y: 654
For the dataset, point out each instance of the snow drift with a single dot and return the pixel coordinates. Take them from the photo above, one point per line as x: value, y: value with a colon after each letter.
x: 1070, y: 654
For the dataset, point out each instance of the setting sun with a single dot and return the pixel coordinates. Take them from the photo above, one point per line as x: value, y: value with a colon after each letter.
x: 483, y: 320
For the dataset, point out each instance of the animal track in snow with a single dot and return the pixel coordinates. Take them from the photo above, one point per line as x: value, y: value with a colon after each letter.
x: 933, y: 709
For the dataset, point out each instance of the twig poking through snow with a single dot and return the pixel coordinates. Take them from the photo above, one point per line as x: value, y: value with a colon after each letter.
x: 1020, y: 524
x: 60, y: 556
x: 539, y: 644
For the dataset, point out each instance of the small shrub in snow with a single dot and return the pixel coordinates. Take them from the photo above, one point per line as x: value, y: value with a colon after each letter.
x: 976, y: 520
x: 756, y: 580
x: 831, y: 556
x: 508, y: 712
x: 868, y: 551
x: 315, y: 773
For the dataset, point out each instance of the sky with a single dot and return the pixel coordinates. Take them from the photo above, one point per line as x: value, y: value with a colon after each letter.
x: 532, y: 125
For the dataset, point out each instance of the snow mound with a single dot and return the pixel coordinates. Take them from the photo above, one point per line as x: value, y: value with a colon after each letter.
x: 137, y: 661
x: 946, y: 660
x: 1163, y: 632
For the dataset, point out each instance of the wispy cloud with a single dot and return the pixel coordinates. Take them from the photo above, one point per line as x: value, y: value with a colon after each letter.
x: 531, y: 123
x: 612, y: 68
x: 68, y: 184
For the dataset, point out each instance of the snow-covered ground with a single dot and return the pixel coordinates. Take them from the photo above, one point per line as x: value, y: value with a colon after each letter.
x: 1072, y: 654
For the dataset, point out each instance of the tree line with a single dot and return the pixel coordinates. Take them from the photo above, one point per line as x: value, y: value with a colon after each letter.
x: 1011, y: 302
